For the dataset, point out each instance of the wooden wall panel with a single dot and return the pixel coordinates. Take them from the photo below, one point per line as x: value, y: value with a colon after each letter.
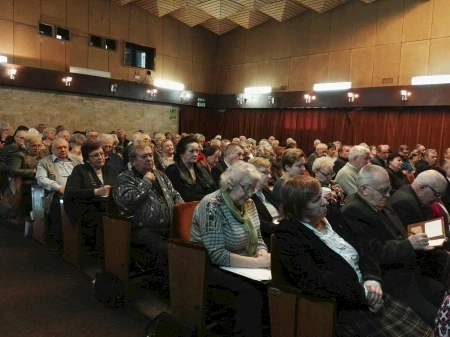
x: 54, y: 11
x: 27, y: 12
x: 185, y: 39
x: 339, y: 69
x: 341, y: 27
x: 439, y: 57
x: 386, y: 64
x: 298, y: 75
x: 7, y: 39
x: 198, y: 80
x: 170, y: 68
x: 53, y: 54
x: 77, y: 52
x: 157, y: 74
x: 235, y: 79
x: 7, y: 12
x: 301, y: 34
x: 119, y: 21
x: 198, y: 50
x: 249, y: 75
x: 265, y: 41
x: 364, y: 24
x: 210, y: 79
x: 138, y: 25
x: 361, y: 67
x: 418, y: 18
x: 280, y: 79
x: 115, y: 63
x: 210, y: 47
x: 320, y: 33
x: 184, y: 74
x: 171, y: 36
x: 317, y: 69
x: 390, y: 21
x: 225, y: 48
x: 441, y: 23
x: 98, y: 59
x: 264, y: 73
x: 223, y: 78
x: 78, y: 17
x: 237, y: 39
x: 414, y: 60
x: 282, y: 40
x: 251, y: 45
x: 26, y: 46
x: 99, y: 17
x: 155, y: 29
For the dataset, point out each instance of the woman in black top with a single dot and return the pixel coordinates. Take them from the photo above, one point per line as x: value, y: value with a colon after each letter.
x: 190, y: 179
x: 394, y: 169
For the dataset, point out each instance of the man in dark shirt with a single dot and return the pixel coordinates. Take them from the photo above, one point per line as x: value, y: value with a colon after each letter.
x: 343, y: 153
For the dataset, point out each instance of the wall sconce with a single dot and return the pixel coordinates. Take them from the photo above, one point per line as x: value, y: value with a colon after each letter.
x: 67, y: 81
x: 309, y: 98
x: 271, y: 100
x: 151, y: 92
x: 352, y: 97
x: 12, y: 74
x: 405, y: 94
x: 185, y: 96
x: 113, y: 88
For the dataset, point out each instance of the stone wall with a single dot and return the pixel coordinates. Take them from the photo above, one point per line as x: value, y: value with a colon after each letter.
x: 76, y: 112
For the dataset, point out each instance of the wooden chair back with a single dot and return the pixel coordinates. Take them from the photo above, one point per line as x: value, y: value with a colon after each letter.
x: 293, y: 313
x: 71, y: 239
x: 182, y: 220
x: 39, y: 217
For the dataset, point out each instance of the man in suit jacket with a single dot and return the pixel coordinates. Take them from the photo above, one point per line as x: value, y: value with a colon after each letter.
x: 233, y: 153
x: 378, y: 226
x: 381, y: 156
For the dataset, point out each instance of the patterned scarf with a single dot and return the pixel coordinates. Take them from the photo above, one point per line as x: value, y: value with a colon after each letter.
x: 252, y: 243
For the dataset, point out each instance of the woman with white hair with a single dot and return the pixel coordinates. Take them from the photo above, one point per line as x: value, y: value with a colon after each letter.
x: 323, y: 171
x: 226, y: 222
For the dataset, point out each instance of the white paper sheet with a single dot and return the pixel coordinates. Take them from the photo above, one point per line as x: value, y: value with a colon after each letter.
x: 436, y: 242
x: 257, y: 274
x: 434, y: 228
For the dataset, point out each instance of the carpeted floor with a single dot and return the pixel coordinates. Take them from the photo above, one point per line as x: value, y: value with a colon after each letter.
x: 42, y: 296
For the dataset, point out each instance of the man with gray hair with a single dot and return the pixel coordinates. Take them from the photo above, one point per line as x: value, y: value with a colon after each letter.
x: 381, y: 156
x: 111, y: 158
x: 359, y: 156
x: 382, y: 232
x: 412, y: 203
x: 321, y: 151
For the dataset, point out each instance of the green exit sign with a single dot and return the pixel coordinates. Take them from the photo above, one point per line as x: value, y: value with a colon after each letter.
x: 201, y: 100
x: 201, y: 104
x: 173, y: 110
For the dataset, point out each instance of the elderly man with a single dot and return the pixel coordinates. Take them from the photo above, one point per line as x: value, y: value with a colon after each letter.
x: 233, y: 153
x: 403, y: 151
x: 429, y: 159
x: 123, y: 141
x: 63, y: 134
x: 381, y: 156
x: 111, y: 158
x: 40, y: 128
x: 412, y: 203
x: 7, y: 154
x: 321, y: 151
x: 359, y: 156
x: 91, y: 134
x: 343, y: 153
x: 379, y: 227
x: 52, y: 173
x: 147, y: 195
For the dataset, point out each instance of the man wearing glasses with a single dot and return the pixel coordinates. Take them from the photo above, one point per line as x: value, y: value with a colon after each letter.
x: 383, y: 233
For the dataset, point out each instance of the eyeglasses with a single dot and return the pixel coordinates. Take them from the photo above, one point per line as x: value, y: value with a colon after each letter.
x: 326, y: 175
x: 436, y: 193
x: 97, y: 155
x: 382, y: 192
x: 264, y: 172
x: 247, y: 190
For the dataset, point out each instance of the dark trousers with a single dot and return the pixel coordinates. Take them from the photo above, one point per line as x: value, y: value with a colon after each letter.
x: 153, y: 246
x: 92, y: 229
x: 54, y: 220
x: 249, y: 304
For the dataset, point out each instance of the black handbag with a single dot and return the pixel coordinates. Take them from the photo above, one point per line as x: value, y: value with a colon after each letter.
x: 166, y: 325
x: 109, y: 290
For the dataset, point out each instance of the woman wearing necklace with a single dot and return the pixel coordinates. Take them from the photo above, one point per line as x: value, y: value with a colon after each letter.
x: 226, y: 223
x: 190, y: 179
x: 323, y: 257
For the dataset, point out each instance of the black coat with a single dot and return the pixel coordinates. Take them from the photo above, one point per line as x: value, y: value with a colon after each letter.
x: 265, y: 219
x: 217, y: 171
x: 338, y: 164
x: 310, y: 265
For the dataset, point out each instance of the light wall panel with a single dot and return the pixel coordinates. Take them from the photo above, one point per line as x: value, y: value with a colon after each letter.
x: 361, y: 67
x: 115, y: 63
x: 119, y: 21
x: 171, y: 36
x: 210, y: 79
x: 251, y: 45
x: 53, y: 54
x: 198, y: 81
x: 185, y: 39
x: 78, y: 17
x: 341, y: 27
x: 184, y: 74
x: 99, y: 17
x: 170, y: 68
x: 280, y: 79
x: 301, y: 34
x: 339, y: 66
x: 155, y: 33
x: 265, y: 41
x: 53, y: 11
x: 7, y: 39
x: 264, y: 73
x: 7, y: 11
x: 249, y: 75
x: 386, y: 65
x: 26, y: 46
x: 320, y: 33
x: 418, y: 20
x: 364, y: 24
x: 439, y: 57
x: 441, y: 22
x: 298, y: 73
x: 282, y: 40
x: 77, y: 52
x: 138, y: 25
x: 234, y: 78
x: 414, y: 60
x: 27, y: 12
x: 98, y: 59
x: 237, y: 40
x: 390, y: 21
x: 317, y: 69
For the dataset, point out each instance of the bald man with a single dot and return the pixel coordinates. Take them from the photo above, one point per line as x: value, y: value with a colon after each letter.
x: 52, y: 173
x: 379, y: 227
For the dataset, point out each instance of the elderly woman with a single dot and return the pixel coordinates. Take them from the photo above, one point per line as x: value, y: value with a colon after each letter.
x: 24, y: 166
x: 394, y: 169
x: 75, y: 142
x: 276, y: 170
x: 212, y: 155
x: 86, y: 192
x: 190, y: 179
x: 167, y: 157
x: 414, y: 158
x: 323, y: 171
x: 323, y: 257
x: 226, y: 222
x: 266, y: 205
x: 5, y: 137
x: 293, y: 163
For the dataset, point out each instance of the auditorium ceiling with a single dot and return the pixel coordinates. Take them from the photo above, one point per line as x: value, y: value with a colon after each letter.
x: 221, y: 16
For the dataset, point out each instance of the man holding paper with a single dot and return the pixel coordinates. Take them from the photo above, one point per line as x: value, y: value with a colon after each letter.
x: 379, y: 227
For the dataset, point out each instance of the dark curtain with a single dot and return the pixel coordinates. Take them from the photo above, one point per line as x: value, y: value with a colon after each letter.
x: 374, y: 126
